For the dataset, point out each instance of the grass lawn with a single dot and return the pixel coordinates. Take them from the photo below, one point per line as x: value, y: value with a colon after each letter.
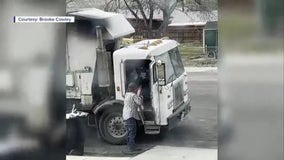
x: 191, y: 50
x: 192, y: 55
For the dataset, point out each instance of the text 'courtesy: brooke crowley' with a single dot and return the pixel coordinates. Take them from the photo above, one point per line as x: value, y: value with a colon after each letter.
x: 44, y: 19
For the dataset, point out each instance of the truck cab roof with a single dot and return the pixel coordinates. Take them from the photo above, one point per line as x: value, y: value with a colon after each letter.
x: 145, y: 49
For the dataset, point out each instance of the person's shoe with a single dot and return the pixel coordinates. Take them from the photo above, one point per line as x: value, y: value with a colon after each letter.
x: 76, y: 152
x: 137, y: 149
x: 133, y: 151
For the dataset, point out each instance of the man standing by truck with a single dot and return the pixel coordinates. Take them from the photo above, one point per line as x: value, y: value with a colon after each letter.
x: 131, y: 115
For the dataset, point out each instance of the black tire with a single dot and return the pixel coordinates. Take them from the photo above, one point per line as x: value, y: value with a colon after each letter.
x: 112, y: 128
x: 210, y: 54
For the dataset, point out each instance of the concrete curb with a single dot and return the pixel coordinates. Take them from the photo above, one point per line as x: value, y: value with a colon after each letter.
x: 95, y: 158
x: 201, y: 69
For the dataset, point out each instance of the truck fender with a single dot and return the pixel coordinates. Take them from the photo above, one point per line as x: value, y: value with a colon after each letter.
x: 107, y: 104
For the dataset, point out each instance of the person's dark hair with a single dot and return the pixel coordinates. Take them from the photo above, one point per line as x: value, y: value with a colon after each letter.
x: 131, y: 87
x: 138, y: 70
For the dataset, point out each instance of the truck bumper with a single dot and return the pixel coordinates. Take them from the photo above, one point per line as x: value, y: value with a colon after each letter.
x: 178, y: 114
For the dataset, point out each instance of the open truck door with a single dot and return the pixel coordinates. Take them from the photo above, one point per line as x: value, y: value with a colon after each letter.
x: 154, y: 94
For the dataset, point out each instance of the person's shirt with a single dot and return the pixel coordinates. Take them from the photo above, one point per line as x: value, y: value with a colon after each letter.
x: 131, y: 103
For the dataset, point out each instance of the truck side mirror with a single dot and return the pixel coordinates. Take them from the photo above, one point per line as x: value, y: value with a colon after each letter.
x: 161, y: 69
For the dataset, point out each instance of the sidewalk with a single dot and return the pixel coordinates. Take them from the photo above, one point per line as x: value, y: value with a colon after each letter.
x: 162, y: 153
x: 177, y: 153
x: 201, y: 69
x: 95, y: 158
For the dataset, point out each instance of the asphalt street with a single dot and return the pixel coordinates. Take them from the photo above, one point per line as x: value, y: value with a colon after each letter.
x: 198, y: 129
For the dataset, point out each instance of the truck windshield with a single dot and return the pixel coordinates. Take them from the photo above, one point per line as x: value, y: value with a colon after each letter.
x: 173, y: 62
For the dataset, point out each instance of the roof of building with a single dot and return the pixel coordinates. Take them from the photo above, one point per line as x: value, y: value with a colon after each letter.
x: 180, y: 18
x: 158, y: 14
x: 187, y: 24
x: 211, y: 25
x: 146, y: 48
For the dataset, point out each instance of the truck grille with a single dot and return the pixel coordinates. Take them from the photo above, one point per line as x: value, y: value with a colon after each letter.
x: 178, y: 95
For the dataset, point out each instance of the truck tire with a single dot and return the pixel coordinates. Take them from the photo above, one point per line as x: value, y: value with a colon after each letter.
x: 112, y: 127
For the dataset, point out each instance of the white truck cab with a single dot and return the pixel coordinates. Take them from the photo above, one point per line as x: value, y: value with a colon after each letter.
x: 165, y: 88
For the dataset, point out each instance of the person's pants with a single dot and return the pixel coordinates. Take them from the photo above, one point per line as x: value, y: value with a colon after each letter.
x: 131, y: 128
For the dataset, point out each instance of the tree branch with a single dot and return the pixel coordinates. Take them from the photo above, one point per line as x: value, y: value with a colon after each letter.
x: 151, y: 6
x: 107, y: 3
x: 140, y: 7
x: 131, y: 10
x: 68, y: 1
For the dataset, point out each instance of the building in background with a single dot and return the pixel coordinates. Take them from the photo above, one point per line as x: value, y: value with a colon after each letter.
x: 185, y: 27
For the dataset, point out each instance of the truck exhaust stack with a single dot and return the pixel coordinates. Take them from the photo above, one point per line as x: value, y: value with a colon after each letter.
x: 102, y: 61
x: 100, y: 37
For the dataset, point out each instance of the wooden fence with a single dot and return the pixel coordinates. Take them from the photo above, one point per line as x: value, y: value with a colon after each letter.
x: 182, y: 34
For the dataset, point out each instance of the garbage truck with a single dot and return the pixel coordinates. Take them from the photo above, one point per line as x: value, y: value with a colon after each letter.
x: 99, y: 69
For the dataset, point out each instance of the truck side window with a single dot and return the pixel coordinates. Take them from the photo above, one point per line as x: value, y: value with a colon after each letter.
x: 170, y: 73
x: 155, y: 79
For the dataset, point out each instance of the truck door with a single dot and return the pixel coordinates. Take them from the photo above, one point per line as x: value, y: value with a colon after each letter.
x: 154, y: 94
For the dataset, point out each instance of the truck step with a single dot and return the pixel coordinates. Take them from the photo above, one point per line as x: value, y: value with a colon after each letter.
x: 152, y: 129
x: 150, y: 123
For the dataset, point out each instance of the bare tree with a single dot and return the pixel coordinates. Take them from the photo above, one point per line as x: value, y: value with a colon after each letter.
x: 145, y: 10
x: 197, y: 5
x: 112, y: 5
x: 68, y: 1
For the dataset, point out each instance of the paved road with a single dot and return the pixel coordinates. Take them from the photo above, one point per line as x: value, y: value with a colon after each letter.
x: 199, y: 129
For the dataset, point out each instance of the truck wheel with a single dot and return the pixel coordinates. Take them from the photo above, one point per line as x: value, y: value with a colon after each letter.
x: 112, y: 127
